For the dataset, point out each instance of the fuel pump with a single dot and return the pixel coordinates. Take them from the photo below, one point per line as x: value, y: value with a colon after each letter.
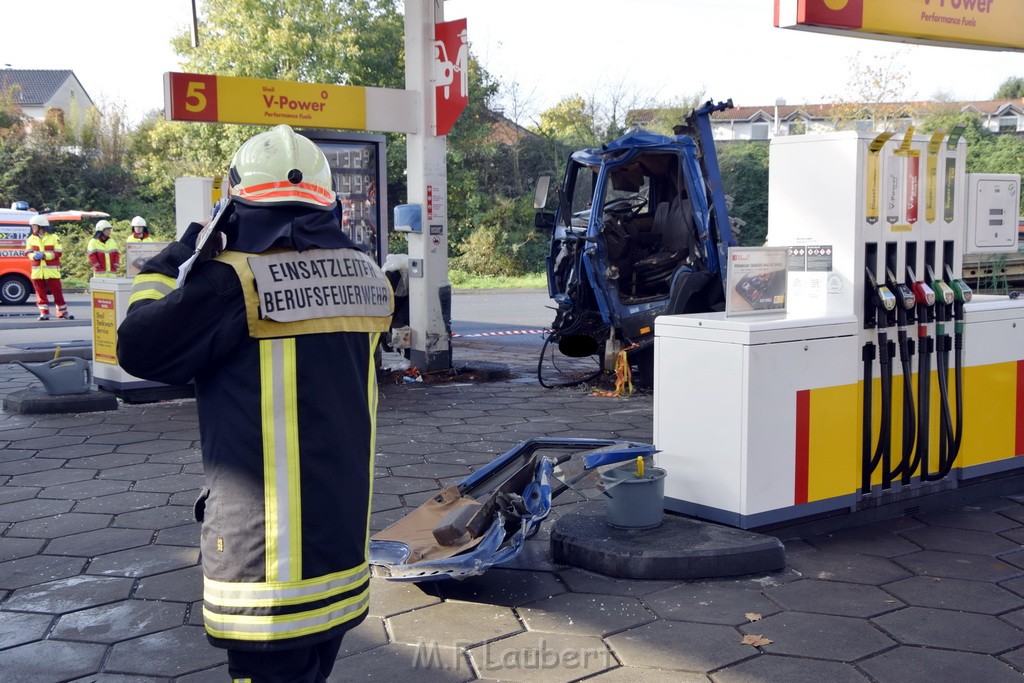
x: 961, y: 295
x: 924, y: 296
x: 883, y: 305
x: 944, y: 298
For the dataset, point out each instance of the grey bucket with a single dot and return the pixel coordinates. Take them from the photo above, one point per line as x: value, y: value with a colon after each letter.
x: 634, y: 502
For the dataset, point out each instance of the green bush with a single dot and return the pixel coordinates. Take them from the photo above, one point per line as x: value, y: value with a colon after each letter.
x: 503, y: 243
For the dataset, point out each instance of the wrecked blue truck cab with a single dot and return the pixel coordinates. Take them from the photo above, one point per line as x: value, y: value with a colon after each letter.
x: 641, y: 229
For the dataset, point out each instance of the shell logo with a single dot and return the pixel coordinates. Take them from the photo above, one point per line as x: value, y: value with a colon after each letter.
x: 832, y: 13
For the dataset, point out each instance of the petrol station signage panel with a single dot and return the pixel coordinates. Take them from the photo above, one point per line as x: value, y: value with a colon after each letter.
x: 226, y: 99
x: 983, y: 24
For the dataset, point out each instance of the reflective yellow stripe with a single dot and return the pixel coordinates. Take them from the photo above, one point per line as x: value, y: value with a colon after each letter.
x: 224, y: 594
x: 372, y: 396
x: 269, y: 463
x: 282, y: 484
x: 291, y: 424
x: 154, y: 278
x: 145, y: 294
x: 278, y: 627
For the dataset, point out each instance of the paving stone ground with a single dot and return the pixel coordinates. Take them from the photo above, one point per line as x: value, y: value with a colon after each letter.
x: 100, y: 577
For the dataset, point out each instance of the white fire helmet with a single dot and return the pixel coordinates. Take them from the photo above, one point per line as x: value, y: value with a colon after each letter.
x: 139, y: 222
x: 281, y: 167
x: 40, y: 221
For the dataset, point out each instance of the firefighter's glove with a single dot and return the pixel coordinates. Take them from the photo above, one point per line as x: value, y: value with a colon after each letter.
x: 213, y: 245
x: 38, y: 256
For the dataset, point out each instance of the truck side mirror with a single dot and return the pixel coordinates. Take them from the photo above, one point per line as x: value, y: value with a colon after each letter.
x: 540, y: 193
x: 544, y: 221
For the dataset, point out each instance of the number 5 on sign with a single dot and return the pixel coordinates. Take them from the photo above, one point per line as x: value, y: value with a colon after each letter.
x: 190, y: 97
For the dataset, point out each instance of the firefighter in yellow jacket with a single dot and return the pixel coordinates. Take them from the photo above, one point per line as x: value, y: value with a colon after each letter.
x: 140, y: 231
x: 104, y: 254
x: 278, y: 330
x: 43, y: 249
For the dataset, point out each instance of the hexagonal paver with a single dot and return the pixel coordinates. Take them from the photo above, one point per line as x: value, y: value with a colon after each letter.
x: 583, y: 581
x: 13, y: 494
x: 146, y: 561
x: 965, y: 518
x: 144, y: 470
x: 28, y: 571
x: 542, y: 657
x: 163, y: 517
x: 50, y: 660
x: 60, y: 525
x: 82, y: 490
x: 821, y: 636
x: 920, y: 665
x: 186, y: 534
x: 403, y: 485
x: 33, y: 509
x: 430, y: 471
x: 834, y: 597
x: 384, y: 501
x: 99, y: 542
x: 122, y: 502
x: 120, y: 621
x: 28, y: 466
x: 954, y: 594
x: 775, y: 668
x: 67, y: 595
x: 585, y: 614
x: 18, y: 629
x: 15, y: 548
x: 172, y: 483
x: 157, y: 445
x: 863, y: 541
x: 675, y: 645
x: 845, y: 567
x: 709, y: 604
x: 426, y: 662
x: 366, y: 636
x: 950, y: 630
x: 121, y: 438
x: 454, y: 624
x: 630, y: 674
x: 957, y: 566
x: 63, y: 475
x: 166, y: 653
x: 105, y: 460
x: 388, y: 598
x: 181, y: 585
x: 960, y: 540
x: 506, y: 587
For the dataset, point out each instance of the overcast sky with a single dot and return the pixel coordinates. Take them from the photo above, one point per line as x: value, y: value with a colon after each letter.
x: 662, y: 49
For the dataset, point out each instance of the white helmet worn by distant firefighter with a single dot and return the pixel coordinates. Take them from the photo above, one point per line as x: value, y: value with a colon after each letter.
x: 139, y: 222
x: 281, y: 167
x: 39, y: 221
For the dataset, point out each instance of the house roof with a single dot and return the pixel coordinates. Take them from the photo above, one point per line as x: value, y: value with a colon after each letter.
x: 824, y: 111
x: 37, y: 86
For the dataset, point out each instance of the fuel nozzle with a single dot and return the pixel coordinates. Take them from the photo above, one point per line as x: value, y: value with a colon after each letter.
x: 883, y: 299
x: 961, y: 295
x: 924, y: 296
x: 944, y: 297
x: 904, y: 296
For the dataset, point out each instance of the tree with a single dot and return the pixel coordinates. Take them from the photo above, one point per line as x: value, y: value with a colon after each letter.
x: 744, y: 167
x: 1011, y: 89
x: 876, y: 92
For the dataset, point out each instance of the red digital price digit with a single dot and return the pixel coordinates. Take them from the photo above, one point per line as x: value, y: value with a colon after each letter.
x: 193, y: 97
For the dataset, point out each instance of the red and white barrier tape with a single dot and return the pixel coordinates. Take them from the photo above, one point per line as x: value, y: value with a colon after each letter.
x: 501, y: 334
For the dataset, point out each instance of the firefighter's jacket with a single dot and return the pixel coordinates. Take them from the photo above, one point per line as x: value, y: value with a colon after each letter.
x: 104, y: 257
x: 49, y: 266
x: 281, y: 348
x: 131, y: 239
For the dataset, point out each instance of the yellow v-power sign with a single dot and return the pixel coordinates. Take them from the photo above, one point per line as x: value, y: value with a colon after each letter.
x: 225, y: 99
x: 983, y: 24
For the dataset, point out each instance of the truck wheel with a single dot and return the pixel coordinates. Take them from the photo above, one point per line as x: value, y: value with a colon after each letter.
x: 14, y: 290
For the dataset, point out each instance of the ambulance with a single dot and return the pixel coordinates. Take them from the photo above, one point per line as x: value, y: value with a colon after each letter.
x: 15, y: 268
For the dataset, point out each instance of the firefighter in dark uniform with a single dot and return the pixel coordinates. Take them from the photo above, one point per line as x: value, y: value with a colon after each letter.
x: 277, y: 322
